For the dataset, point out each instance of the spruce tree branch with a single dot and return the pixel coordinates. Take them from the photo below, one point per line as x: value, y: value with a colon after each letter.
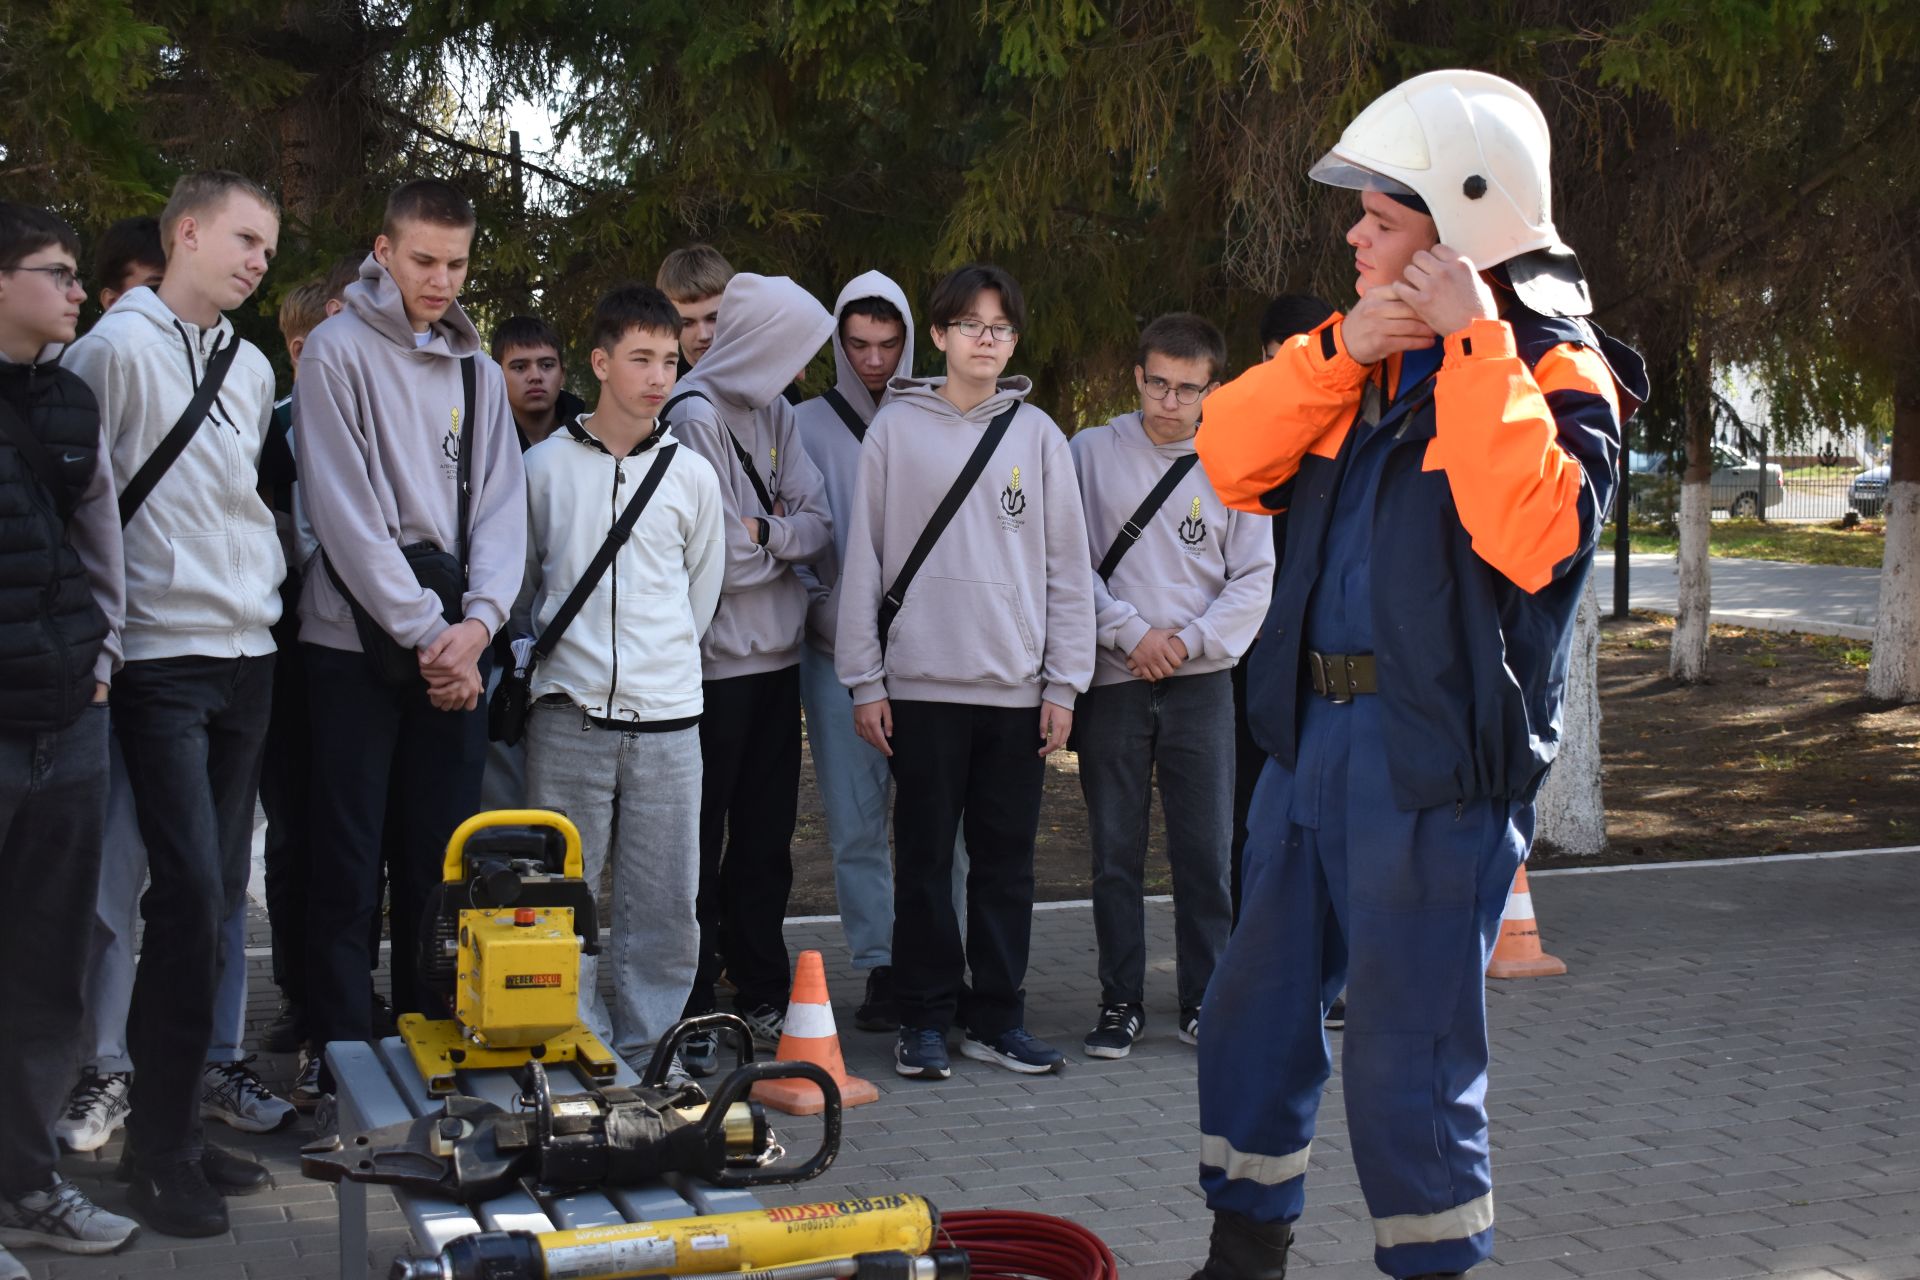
x: 426, y: 130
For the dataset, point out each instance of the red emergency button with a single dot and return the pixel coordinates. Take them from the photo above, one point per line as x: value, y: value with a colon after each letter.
x: 523, y: 916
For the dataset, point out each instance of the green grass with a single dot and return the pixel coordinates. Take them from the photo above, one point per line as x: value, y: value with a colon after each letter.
x: 1859, y: 547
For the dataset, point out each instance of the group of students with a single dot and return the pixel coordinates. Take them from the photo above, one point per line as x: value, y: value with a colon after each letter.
x: 315, y: 600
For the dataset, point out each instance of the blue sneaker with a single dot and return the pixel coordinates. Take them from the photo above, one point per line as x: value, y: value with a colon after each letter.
x: 1016, y: 1051
x: 921, y: 1054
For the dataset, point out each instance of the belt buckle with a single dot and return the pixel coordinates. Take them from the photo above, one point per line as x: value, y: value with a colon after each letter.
x: 1323, y: 671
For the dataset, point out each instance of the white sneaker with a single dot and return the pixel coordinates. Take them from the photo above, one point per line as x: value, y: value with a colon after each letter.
x: 231, y: 1092
x: 96, y: 1109
x: 11, y: 1268
x: 765, y: 1023
x: 61, y: 1217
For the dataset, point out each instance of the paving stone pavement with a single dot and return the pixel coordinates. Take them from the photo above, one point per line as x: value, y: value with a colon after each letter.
x: 1722, y: 1087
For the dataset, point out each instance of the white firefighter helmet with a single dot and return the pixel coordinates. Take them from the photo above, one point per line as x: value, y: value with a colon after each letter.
x: 1475, y: 150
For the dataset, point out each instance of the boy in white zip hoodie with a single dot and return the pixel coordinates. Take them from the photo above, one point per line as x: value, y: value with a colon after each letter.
x: 1173, y: 614
x: 613, y: 738
x: 973, y: 685
x: 729, y: 410
x: 203, y: 571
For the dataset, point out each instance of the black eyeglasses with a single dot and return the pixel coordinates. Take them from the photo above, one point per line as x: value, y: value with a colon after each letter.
x: 1185, y: 392
x: 64, y: 278
x: 974, y: 328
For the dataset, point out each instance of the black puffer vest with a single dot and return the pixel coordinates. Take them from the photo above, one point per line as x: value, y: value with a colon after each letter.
x: 50, y: 628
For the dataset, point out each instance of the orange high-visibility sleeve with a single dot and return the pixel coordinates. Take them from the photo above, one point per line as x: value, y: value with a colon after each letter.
x: 1528, y: 452
x: 1257, y: 428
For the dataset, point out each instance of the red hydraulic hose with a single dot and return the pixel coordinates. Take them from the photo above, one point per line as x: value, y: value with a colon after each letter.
x: 1006, y: 1244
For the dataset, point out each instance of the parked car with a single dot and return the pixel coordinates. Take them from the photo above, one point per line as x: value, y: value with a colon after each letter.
x: 1736, y: 485
x: 1868, y: 492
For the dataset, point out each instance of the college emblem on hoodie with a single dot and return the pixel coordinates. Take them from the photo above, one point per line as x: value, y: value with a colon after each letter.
x: 1193, y: 530
x: 1013, y: 504
x: 450, y: 448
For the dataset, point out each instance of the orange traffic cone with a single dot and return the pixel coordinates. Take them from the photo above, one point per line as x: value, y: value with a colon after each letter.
x: 809, y: 1036
x: 1518, y: 953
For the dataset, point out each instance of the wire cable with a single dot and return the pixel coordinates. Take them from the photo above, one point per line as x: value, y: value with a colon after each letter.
x: 1007, y: 1244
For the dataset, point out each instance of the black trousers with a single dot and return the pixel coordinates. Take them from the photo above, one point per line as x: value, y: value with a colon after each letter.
x: 193, y: 731
x: 954, y: 763
x: 749, y: 793
x: 373, y: 743
x: 285, y: 775
x: 53, y: 788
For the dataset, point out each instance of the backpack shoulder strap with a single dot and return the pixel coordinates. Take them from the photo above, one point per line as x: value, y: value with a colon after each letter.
x: 739, y: 450
x: 855, y: 423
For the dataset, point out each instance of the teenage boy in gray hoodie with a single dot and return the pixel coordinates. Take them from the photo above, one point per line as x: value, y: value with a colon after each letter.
x: 872, y: 340
x: 203, y: 571
x: 378, y: 427
x: 973, y: 685
x: 1179, y: 592
x: 729, y: 410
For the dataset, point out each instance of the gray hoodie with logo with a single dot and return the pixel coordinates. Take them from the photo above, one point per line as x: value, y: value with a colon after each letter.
x: 1199, y: 568
x: 1001, y: 612
x: 376, y: 421
x: 203, y: 562
x: 769, y: 329
x: 835, y: 449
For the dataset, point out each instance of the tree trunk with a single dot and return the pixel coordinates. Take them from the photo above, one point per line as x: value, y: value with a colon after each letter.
x: 1689, y: 661
x: 1894, y: 675
x: 323, y: 129
x: 1572, y: 815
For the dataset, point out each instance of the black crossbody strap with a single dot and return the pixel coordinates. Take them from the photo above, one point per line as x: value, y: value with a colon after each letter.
x: 163, y: 458
x: 739, y: 451
x: 854, y: 422
x: 39, y: 459
x: 602, y: 559
x: 464, y: 468
x: 943, y: 516
x: 1136, y: 524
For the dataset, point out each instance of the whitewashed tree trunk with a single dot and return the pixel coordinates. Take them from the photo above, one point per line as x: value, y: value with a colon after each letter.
x: 1571, y: 811
x: 1689, y: 661
x: 1894, y: 675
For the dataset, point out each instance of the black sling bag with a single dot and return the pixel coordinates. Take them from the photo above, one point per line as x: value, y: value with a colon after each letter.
x: 161, y: 460
x: 513, y: 697
x: 942, y: 517
x: 442, y: 572
x: 1136, y: 525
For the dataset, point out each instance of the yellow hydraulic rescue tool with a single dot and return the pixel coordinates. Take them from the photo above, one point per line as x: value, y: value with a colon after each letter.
x: 501, y: 947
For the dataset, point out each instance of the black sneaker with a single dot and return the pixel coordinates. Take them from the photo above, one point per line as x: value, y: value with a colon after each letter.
x: 231, y: 1173
x: 1337, y: 1013
x: 288, y: 1030
x: 176, y: 1199
x: 1113, y: 1034
x: 1190, y: 1025
x: 921, y: 1054
x: 878, y: 1011
x: 700, y: 1053
x: 1015, y: 1050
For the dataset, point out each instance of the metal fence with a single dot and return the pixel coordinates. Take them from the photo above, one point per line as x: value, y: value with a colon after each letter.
x: 1824, y: 482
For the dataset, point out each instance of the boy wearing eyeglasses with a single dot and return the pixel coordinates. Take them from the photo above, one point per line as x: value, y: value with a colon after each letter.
x: 1180, y: 585
x: 972, y: 684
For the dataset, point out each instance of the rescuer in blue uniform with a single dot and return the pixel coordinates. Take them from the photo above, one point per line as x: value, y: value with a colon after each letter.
x: 1445, y: 453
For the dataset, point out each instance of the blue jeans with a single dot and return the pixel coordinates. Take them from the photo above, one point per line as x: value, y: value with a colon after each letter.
x: 50, y: 824
x: 1178, y: 732
x: 855, y: 790
x: 115, y: 925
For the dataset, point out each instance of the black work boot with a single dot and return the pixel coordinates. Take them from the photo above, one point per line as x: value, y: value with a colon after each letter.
x: 1242, y: 1249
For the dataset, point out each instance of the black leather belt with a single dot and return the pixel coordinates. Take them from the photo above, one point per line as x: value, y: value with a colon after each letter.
x: 1337, y: 677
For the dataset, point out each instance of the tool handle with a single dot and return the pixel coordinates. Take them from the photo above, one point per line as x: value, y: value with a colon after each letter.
x: 655, y: 1076
x: 737, y: 1087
